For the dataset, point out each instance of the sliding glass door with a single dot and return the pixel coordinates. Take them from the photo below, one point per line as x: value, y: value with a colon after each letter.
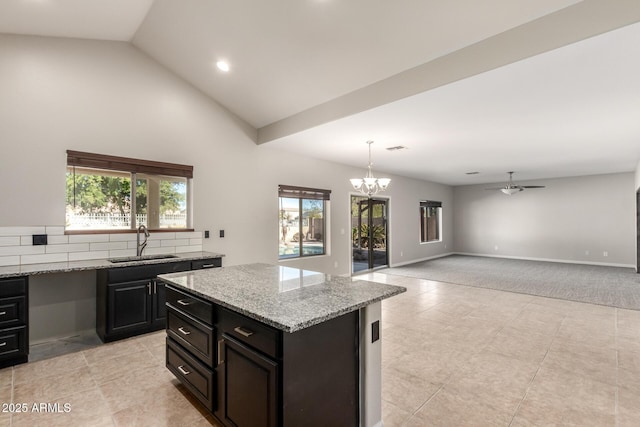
x: 368, y: 233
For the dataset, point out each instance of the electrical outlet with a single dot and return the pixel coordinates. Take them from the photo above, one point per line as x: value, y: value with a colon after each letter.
x: 39, y: 239
x: 206, y: 234
x: 375, y: 331
x: 335, y: 264
x: 586, y: 252
x: 605, y: 253
x: 221, y: 233
x: 495, y: 248
x: 401, y: 253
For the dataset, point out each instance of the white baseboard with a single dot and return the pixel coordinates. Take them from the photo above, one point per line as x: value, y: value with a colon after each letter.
x: 413, y: 261
x: 563, y: 261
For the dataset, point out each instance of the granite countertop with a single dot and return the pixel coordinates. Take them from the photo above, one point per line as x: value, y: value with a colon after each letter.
x: 94, y: 264
x: 286, y: 298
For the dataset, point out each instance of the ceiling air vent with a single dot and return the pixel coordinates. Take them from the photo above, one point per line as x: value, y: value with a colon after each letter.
x: 472, y: 173
x: 396, y: 148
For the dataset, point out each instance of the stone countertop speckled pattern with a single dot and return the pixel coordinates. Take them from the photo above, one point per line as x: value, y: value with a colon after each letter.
x: 286, y: 298
x: 94, y: 264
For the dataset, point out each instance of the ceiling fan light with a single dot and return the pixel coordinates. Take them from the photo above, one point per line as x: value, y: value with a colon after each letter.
x: 510, y: 190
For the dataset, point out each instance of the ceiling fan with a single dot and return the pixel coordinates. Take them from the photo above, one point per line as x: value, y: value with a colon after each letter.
x: 512, y: 188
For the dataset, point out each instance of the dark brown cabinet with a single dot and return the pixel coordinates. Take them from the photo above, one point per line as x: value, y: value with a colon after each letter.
x: 190, y: 344
x: 130, y: 306
x: 263, y: 376
x: 131, y: 301
x: 248, y: 386
x: 14, y: 316
x: 158, y: 308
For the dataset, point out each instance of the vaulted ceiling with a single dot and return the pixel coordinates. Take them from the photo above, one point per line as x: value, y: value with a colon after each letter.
x: 547, y: 88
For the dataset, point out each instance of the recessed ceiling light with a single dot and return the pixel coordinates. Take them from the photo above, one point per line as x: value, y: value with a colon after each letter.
x: 222, y: 66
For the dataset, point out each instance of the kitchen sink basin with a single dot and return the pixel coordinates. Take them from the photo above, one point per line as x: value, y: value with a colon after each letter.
x: 140, y: 258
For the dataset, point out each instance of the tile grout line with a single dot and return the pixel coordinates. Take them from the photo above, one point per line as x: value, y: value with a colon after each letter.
x: 535, y: 375
x: 428, y: 400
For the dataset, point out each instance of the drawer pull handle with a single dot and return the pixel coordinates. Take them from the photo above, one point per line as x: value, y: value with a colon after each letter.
x: 3, y: 344
x: 183, y: 371
x: 181, y: 329
x: 220, y: 354
x: 244, y: 332
x: 2, y: 313
x: 184, y: 302
x: 207, y: 266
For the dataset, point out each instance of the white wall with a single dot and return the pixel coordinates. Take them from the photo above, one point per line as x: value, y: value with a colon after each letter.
x: 109, y: 98
x: 638, y: 177
x: 561, y: 222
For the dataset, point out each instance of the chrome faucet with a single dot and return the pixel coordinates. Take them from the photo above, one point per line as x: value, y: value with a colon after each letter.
x: 140, y: 247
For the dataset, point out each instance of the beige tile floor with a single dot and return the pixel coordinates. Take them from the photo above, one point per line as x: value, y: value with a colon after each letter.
x: 452, y: 356
x: 462, y: 356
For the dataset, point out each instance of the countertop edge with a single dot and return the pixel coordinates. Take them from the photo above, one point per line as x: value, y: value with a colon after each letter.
x: 280, y: 326
x: 96, y: 264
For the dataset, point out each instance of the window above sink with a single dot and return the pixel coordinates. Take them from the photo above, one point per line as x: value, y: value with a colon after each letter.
x: 108, y: 193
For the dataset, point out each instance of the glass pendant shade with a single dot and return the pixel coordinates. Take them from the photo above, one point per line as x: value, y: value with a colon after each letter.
x: 357, y: 183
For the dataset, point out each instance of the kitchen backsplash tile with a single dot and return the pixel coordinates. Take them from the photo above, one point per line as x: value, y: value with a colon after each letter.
x: 188, y: 234
x: 88, y: 238
x: 58, y: 240
x: 122, y: 237
x: 183, y: 249
x: 16, y: 245
x: 150, y: 244
x: 160, y: 251
x: 10, y: 241
x: 20, y: 231
x: 174, y: 242
x: 21, y: 250
x: 45, y: 258
x: 9, y: 260
x: 82, y: 256
x: 107, y: 246
x: 54, y: 230
x: 73, y: 247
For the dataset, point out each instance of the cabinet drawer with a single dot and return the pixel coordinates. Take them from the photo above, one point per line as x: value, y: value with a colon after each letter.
x: 193, y: 374
x: 191, y: 305
x: 193, y: 335
x: 13, y: 287
x: 142, y: 272
x: 13, y: 341
x: 206, y: 263
x: 249, y: 331
x: 12, y: 311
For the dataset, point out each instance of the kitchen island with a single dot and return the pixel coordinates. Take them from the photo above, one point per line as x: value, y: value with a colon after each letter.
x: 270, y: 345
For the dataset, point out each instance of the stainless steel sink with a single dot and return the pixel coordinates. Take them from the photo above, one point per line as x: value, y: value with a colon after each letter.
x: 140, y: 258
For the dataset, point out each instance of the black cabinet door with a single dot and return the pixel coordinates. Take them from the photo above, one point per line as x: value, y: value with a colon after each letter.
x: 248, y: 386
x: 159, y: 315
x: 129, y: 305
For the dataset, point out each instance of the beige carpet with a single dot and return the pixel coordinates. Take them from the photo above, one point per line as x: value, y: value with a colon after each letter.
x: 610, y: 286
